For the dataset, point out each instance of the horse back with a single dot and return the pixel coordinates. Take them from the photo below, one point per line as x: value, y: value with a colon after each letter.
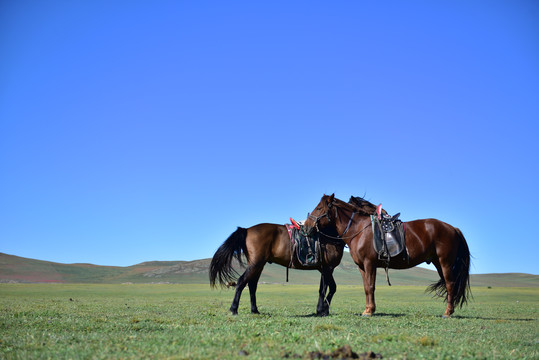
x: 430, y: 227
x: 268, y: 242
x: 429, y: 235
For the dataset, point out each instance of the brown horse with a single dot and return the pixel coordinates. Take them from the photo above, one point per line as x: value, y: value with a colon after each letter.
x: 264, y: 243
x: 427, y: 240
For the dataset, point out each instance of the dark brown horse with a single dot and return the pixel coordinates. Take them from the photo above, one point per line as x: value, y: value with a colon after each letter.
x: 264, y: 243
x: 427, y: 240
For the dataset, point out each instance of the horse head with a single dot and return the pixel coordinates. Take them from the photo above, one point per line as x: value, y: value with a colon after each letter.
x: 322, y: 216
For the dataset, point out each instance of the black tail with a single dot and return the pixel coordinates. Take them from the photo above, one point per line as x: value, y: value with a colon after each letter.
x: 221, y: 265
x: 461, y: 274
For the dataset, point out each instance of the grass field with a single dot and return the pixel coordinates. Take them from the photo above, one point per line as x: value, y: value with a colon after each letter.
x: 193, y: 322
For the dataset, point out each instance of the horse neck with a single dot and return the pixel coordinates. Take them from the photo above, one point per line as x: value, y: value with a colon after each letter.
x: 342, y: 222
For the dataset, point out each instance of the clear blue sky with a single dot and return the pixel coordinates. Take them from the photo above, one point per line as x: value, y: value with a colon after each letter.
x: 148, y: 130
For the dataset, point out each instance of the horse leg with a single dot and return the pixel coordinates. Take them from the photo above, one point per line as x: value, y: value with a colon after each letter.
x: 244, y: 279
x: 321, y: 295
x: 253, y: 284
x: 332, y: 288
x: 446, y: 283
x: 369, y: 280
x: 324, y: 300
x: 449, y: 284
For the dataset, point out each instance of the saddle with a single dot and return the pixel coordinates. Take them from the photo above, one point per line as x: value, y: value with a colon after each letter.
x: 305, y: 249
x: 388, y: 235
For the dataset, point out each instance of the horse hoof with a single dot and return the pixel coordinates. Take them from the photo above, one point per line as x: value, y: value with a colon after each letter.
x: 446, y: 316
x: 366, y: 315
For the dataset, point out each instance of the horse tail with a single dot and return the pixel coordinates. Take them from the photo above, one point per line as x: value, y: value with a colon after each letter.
x: 461, y: 274
x: 221, y: 264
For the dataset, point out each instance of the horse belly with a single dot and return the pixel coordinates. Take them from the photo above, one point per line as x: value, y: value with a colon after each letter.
x: 281, y: 249
x: 419, y: 244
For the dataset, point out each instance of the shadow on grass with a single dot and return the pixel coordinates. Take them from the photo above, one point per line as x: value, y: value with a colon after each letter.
x: 489, y: 318
x: 313, y: 315
x: 397, y: 315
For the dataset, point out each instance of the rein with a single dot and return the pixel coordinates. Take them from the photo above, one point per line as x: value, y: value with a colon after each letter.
x: 342, y: 237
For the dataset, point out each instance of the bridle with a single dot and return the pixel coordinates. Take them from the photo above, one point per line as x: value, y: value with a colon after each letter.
x: 316, y: 220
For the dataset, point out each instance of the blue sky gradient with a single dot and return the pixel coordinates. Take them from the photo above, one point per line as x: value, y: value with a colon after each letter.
x: 138, y: 130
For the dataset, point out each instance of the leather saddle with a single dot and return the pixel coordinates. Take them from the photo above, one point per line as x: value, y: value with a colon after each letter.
x: 305, y: 249
x: 388, y: 235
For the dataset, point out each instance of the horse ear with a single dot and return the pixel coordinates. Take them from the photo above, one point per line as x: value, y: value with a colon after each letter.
x: 331, y: 197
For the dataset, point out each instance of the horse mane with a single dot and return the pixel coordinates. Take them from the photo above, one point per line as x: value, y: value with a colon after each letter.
x: 353, y: 207
x: 362, y: 204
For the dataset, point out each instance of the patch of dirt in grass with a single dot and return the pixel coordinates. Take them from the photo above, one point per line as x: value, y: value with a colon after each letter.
x: 345, y: 352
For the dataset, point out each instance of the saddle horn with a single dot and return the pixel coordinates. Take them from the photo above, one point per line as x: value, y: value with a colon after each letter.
x: 379, y: 211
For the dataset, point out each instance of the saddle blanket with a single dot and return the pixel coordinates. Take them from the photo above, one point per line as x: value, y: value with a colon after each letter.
x: 305, y: 249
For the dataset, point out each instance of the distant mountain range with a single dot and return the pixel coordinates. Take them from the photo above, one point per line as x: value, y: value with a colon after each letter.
x: 15, y: 269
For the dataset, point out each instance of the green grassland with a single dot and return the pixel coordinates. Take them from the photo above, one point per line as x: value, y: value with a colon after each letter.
x: 41, y: 321
x: 24, y: 270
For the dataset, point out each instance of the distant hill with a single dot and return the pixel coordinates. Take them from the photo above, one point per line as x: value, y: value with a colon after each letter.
x: 24, y: 270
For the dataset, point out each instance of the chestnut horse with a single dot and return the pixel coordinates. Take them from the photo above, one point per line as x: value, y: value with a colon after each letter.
x: 264, y: 243
x: 427, y: 240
